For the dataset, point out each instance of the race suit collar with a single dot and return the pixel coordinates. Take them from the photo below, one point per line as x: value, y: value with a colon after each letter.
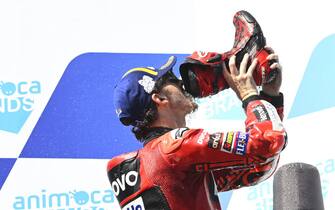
x: 154, y: 133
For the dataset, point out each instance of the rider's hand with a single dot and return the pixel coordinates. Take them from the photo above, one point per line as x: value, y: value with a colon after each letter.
x: 241, y: 81
x: 273, y: 87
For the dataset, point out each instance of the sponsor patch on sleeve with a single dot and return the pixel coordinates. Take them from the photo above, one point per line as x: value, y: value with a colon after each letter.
x: 261, y: 113
x: 201, y: 138
x: 273, y: 114
x: 228, y: 143
x: 241, y: 143
x: 215, y: 140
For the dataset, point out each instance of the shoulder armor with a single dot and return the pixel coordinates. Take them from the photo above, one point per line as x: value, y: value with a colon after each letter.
x: 119, y: 159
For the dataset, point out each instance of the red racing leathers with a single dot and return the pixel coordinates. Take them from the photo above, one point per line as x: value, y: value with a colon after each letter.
x: 185, y: 168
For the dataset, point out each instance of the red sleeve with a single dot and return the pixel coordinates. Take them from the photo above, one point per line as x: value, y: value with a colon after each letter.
x: 276, y: 101
x: 198, y: 150
x: 228, y: 179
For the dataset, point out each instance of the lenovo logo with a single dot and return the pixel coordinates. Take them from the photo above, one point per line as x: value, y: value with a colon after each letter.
x: 120, y: 184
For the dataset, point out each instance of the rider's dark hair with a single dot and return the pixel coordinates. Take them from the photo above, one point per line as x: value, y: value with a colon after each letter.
x: 141, y: 128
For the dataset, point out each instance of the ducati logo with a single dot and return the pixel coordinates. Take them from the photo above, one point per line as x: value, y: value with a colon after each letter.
x: 202, y: 54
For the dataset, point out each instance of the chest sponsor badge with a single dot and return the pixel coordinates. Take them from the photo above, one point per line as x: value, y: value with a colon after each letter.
x: 227, y: 145
x: 214, y: 141
x: 136, y: 204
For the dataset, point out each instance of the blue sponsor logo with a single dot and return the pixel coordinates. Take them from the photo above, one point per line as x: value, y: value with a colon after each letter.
x: 16, y: 103
x: 241, y: 143
x: 74, y: 200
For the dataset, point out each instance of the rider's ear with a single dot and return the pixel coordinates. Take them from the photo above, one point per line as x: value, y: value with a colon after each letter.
x: 158, y: 99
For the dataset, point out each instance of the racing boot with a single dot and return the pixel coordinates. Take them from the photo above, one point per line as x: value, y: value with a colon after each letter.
x: 249, y: 38
x: 201, y: 72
